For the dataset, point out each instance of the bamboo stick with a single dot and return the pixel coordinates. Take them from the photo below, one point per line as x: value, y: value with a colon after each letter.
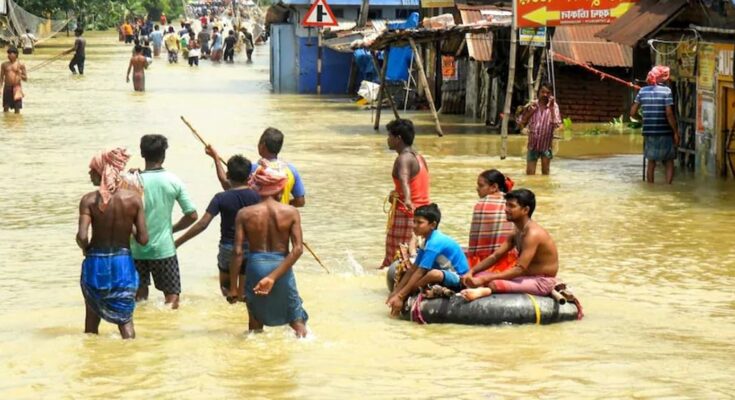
x: 382, y: 87
x: 198, y: 136
x: 424, y: 81
x: 509, y: 92
x: 222, y: 160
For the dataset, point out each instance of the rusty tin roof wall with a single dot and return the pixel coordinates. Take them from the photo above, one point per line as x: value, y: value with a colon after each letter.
x: 641, y: 20
x: 579, y: 42
x: 479, y: 45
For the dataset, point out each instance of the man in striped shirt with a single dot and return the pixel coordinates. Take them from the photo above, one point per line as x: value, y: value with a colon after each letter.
x: 542, y: 118
x: 660, y: 131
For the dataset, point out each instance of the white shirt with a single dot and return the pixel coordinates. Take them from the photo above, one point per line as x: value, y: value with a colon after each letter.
x: 27, y: 40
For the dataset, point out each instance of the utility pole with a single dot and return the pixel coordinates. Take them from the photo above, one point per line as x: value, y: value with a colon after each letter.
x: 364, y: 9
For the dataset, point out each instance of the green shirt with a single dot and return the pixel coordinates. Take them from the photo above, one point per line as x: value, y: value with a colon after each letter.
x: 161, y: 188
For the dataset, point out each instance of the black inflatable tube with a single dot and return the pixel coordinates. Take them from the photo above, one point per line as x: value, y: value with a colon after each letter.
x: 496, y: 309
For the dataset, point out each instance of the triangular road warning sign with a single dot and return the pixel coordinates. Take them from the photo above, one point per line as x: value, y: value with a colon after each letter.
x: 319, y: 15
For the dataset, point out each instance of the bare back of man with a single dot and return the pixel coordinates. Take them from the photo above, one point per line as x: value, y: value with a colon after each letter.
x: 111, y: 231
x: 113, y: 227
x: 269, y: 227
x: 138, y: 64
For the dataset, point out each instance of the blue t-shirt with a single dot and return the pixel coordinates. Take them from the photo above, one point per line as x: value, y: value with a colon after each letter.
x: 229, y: 203
x: 157, y: 38
x: 654, y: 100
x: 442, y: 252
x: 298, y: 189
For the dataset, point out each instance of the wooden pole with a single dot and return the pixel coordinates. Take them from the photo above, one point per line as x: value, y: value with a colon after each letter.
x: 380, y: 90
x: 541, y: 70
x: 425, y: 83
x: 383, y: 89
x: 319, y: 53
x: 509, y: 90
x: 529, y: 72
x: 364, y: 8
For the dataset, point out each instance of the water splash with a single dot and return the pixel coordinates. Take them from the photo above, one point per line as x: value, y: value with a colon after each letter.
x: 355, y: 267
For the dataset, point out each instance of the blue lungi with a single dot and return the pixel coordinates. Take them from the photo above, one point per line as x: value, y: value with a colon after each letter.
x: 109, y: 282
x: 283, y: 304
x: 659, y: 148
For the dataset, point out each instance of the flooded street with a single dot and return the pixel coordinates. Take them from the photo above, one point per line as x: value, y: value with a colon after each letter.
x: 654, y: 266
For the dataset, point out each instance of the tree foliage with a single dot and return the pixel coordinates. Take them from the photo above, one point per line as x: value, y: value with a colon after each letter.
x: 101, y: 14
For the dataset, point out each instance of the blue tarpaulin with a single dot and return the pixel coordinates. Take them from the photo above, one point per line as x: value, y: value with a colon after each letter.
x: 399, y: 58
x: 364, y: 61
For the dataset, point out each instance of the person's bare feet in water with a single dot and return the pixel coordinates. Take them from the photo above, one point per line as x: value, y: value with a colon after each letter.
x: 477, y: 293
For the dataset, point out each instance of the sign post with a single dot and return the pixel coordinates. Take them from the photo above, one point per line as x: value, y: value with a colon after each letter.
x: 531, y: 13
x: 319, y: 16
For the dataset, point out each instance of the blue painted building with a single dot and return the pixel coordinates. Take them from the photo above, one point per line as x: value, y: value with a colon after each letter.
x: 294, y: 48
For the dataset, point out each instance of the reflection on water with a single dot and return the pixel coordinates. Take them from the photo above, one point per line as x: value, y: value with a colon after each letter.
x: 652, y: 264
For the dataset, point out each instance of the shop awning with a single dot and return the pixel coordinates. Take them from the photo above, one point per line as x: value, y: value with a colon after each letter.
x: 642, y: 20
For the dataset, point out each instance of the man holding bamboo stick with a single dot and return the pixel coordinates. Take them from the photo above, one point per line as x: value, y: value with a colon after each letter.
x: 227, y: 204
x: 270, y: 144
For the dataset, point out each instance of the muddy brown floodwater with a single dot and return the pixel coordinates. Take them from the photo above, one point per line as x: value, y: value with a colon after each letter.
x: 653, y: 265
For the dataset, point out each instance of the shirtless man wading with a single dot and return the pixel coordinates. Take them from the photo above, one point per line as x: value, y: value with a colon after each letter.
x: 538, y: 260
x: 270, y: 228
x: 12, y: 72
x: 138, y: 64
x: 109, y: 280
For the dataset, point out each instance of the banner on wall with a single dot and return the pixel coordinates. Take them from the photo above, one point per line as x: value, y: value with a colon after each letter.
x: 449, y: 68
x: 706, y: 74
x: 686, y: 55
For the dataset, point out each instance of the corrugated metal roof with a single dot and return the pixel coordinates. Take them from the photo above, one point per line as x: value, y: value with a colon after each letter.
x: 579, y: 42
x: 641, y: 20
x: 480, y: 45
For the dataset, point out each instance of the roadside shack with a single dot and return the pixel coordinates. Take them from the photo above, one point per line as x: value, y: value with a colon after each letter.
x: 697, y: 41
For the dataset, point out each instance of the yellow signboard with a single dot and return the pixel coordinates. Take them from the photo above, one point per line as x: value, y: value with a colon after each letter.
x: 706, y: 78
x: 437, y: 3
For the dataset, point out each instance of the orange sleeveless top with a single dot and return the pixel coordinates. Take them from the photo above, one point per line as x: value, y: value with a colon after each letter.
x: 419, y: 186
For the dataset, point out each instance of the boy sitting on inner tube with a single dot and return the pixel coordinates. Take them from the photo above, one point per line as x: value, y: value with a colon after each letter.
x: 439, y: 261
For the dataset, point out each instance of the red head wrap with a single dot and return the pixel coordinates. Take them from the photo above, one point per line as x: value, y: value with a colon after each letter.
x: 109, y: 165
x: 268, y: 181
x: 658, y: 75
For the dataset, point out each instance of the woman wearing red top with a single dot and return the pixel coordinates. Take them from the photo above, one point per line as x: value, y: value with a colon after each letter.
x: 411, y: 182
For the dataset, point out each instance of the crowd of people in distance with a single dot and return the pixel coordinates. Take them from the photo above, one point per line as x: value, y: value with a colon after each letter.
x: 211, y: 42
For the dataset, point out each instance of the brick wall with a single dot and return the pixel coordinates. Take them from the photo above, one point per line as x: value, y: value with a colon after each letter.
x: 583, y: 97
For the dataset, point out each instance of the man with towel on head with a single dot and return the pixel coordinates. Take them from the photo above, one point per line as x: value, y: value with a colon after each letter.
x: 270, y: 285
x: 109, y: 279
x: 660, y: 129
